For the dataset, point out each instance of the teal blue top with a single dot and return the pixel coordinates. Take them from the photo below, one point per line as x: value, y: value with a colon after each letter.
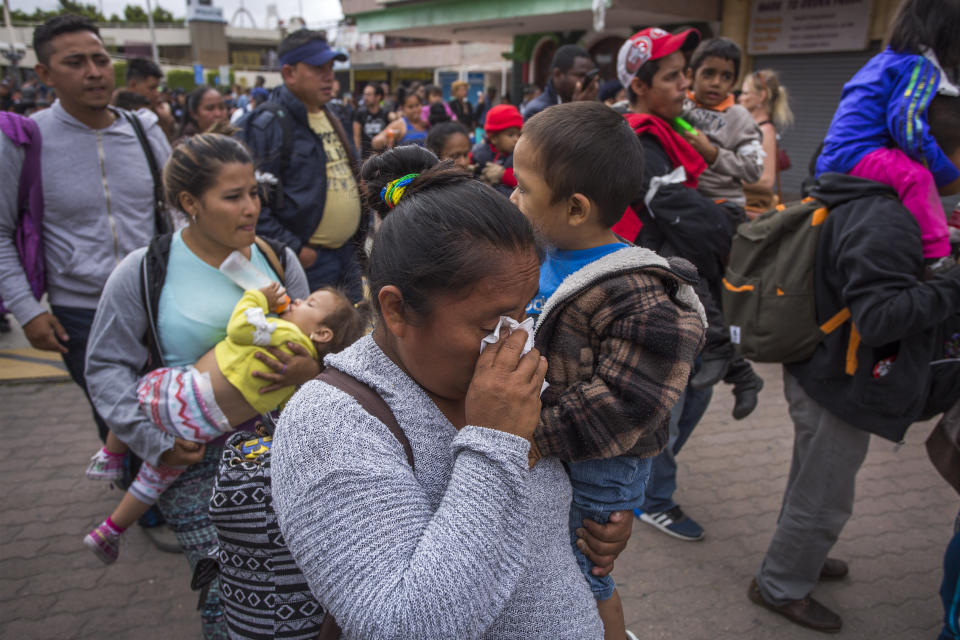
x: 560, y: 264
x: 196, y: 303
x: 413, y: 136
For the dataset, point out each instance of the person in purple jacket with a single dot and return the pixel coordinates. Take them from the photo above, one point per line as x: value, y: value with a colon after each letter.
x: 20, y: 150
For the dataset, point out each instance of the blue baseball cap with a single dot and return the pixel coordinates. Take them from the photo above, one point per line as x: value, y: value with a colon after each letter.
x: 316, y: 52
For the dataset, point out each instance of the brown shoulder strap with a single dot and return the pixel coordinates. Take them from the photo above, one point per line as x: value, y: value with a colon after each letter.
x: 375, y: 405
x: 271, y: 256
x: 371, y: 402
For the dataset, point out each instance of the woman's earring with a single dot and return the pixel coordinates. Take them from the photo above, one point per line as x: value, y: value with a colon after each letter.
x: 193, y: 217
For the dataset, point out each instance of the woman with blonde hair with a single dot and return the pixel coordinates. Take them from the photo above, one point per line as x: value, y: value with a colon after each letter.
x: 461, y: 106
x: 767, y: 101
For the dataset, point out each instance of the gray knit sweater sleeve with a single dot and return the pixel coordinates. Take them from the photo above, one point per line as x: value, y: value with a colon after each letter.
x: 453, y: 549
x: 367, y: 537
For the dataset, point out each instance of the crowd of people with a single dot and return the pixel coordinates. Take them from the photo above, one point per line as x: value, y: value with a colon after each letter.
x: 533, y: 295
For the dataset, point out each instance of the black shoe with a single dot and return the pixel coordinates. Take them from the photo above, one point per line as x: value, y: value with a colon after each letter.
x: 806, y: 612
x: 4, y: 323
x: 746, y: 394
x: 710, y: 373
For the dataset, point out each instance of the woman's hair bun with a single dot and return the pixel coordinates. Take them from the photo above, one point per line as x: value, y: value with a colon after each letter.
x: 380, y: 170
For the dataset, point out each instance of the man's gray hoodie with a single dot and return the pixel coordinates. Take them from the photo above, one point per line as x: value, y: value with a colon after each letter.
x: 98, y: 207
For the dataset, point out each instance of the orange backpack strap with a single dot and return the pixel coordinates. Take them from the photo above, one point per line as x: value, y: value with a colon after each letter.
x: 834, y: 323
x: 852, y: 350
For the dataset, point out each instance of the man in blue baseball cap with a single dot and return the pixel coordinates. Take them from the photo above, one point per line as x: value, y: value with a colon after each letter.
x: 313, y: 203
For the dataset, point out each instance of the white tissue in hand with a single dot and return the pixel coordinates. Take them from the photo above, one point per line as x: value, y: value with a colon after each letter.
x: 509, y: 325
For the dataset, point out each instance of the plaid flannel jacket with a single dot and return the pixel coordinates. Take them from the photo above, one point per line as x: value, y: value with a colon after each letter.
x: 620, y: 336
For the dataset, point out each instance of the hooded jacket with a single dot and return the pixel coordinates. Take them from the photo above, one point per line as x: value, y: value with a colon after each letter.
x: 620, y: 336
x: 876, y: 373
x: 98, y: 205
x: 885, y: 104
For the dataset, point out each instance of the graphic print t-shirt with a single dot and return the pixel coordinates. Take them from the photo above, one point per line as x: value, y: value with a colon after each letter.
x: 370, y: 125
x: 341, y: 214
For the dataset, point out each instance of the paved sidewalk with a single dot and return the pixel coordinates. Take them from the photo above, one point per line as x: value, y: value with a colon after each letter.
x: 731, y: 477
x: 21, y: 362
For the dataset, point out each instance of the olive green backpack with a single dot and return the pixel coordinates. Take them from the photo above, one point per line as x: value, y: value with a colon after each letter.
x: 768, y: 291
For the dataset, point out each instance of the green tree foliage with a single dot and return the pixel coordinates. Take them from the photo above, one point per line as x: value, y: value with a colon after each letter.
x: 179, y: 79
x: 65, y: 7
x: 120, y: 73
x: 132, y: 13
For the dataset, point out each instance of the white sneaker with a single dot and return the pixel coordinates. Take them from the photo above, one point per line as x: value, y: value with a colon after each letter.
x: 104, y: 466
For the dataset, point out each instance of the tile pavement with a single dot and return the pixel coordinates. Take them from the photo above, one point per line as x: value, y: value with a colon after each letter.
x: 731, y: 478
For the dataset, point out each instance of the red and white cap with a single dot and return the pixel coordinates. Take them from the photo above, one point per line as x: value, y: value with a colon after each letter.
x: 651, y: 44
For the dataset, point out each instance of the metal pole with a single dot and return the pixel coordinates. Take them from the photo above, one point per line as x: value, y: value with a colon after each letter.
x: 13, y: 55
x: 153, y: 35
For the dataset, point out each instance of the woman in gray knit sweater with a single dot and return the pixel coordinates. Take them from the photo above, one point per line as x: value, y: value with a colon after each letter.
x: 472, y: 542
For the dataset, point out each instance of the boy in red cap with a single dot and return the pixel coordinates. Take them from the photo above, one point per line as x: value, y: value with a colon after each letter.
x: 677, y: 221
x: 494, y: 156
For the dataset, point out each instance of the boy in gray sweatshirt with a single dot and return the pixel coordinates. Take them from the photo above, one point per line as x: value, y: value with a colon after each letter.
x: 729, y: 138
x: 730, y: 141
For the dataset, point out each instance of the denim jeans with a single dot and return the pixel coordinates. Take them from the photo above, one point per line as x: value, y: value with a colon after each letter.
x: 337, y: 268
x: 76, y: 322
x: 684, y: 418
x: 601, y: 487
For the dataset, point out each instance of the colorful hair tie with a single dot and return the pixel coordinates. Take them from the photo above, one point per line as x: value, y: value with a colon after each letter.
x: 392, y: 193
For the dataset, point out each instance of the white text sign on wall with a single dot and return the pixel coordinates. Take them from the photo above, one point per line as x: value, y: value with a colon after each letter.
x: 805, y: 26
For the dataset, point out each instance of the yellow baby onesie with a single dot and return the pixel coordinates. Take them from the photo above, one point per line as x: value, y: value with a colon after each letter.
x: 249, y: 331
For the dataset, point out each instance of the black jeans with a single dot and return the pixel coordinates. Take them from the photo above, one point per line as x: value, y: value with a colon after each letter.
x: 76, y: 322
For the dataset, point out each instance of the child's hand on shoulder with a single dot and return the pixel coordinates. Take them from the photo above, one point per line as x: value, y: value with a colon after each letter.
x: 274, y: 292
x: 702, y: 145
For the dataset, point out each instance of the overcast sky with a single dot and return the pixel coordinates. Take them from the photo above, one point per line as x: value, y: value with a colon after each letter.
x: 317, y: 13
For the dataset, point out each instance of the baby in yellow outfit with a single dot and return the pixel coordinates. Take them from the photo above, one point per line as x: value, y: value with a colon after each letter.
x: 202, y: 402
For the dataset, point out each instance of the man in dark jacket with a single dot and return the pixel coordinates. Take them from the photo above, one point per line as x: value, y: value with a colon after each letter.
x: 677, y: 221
x: 878, y: 373
x: 314, y: 207
x: 567, y: 82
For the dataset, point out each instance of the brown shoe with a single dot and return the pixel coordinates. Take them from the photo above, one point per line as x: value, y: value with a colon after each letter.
x: 806, y: 612
x: 834, y: 569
